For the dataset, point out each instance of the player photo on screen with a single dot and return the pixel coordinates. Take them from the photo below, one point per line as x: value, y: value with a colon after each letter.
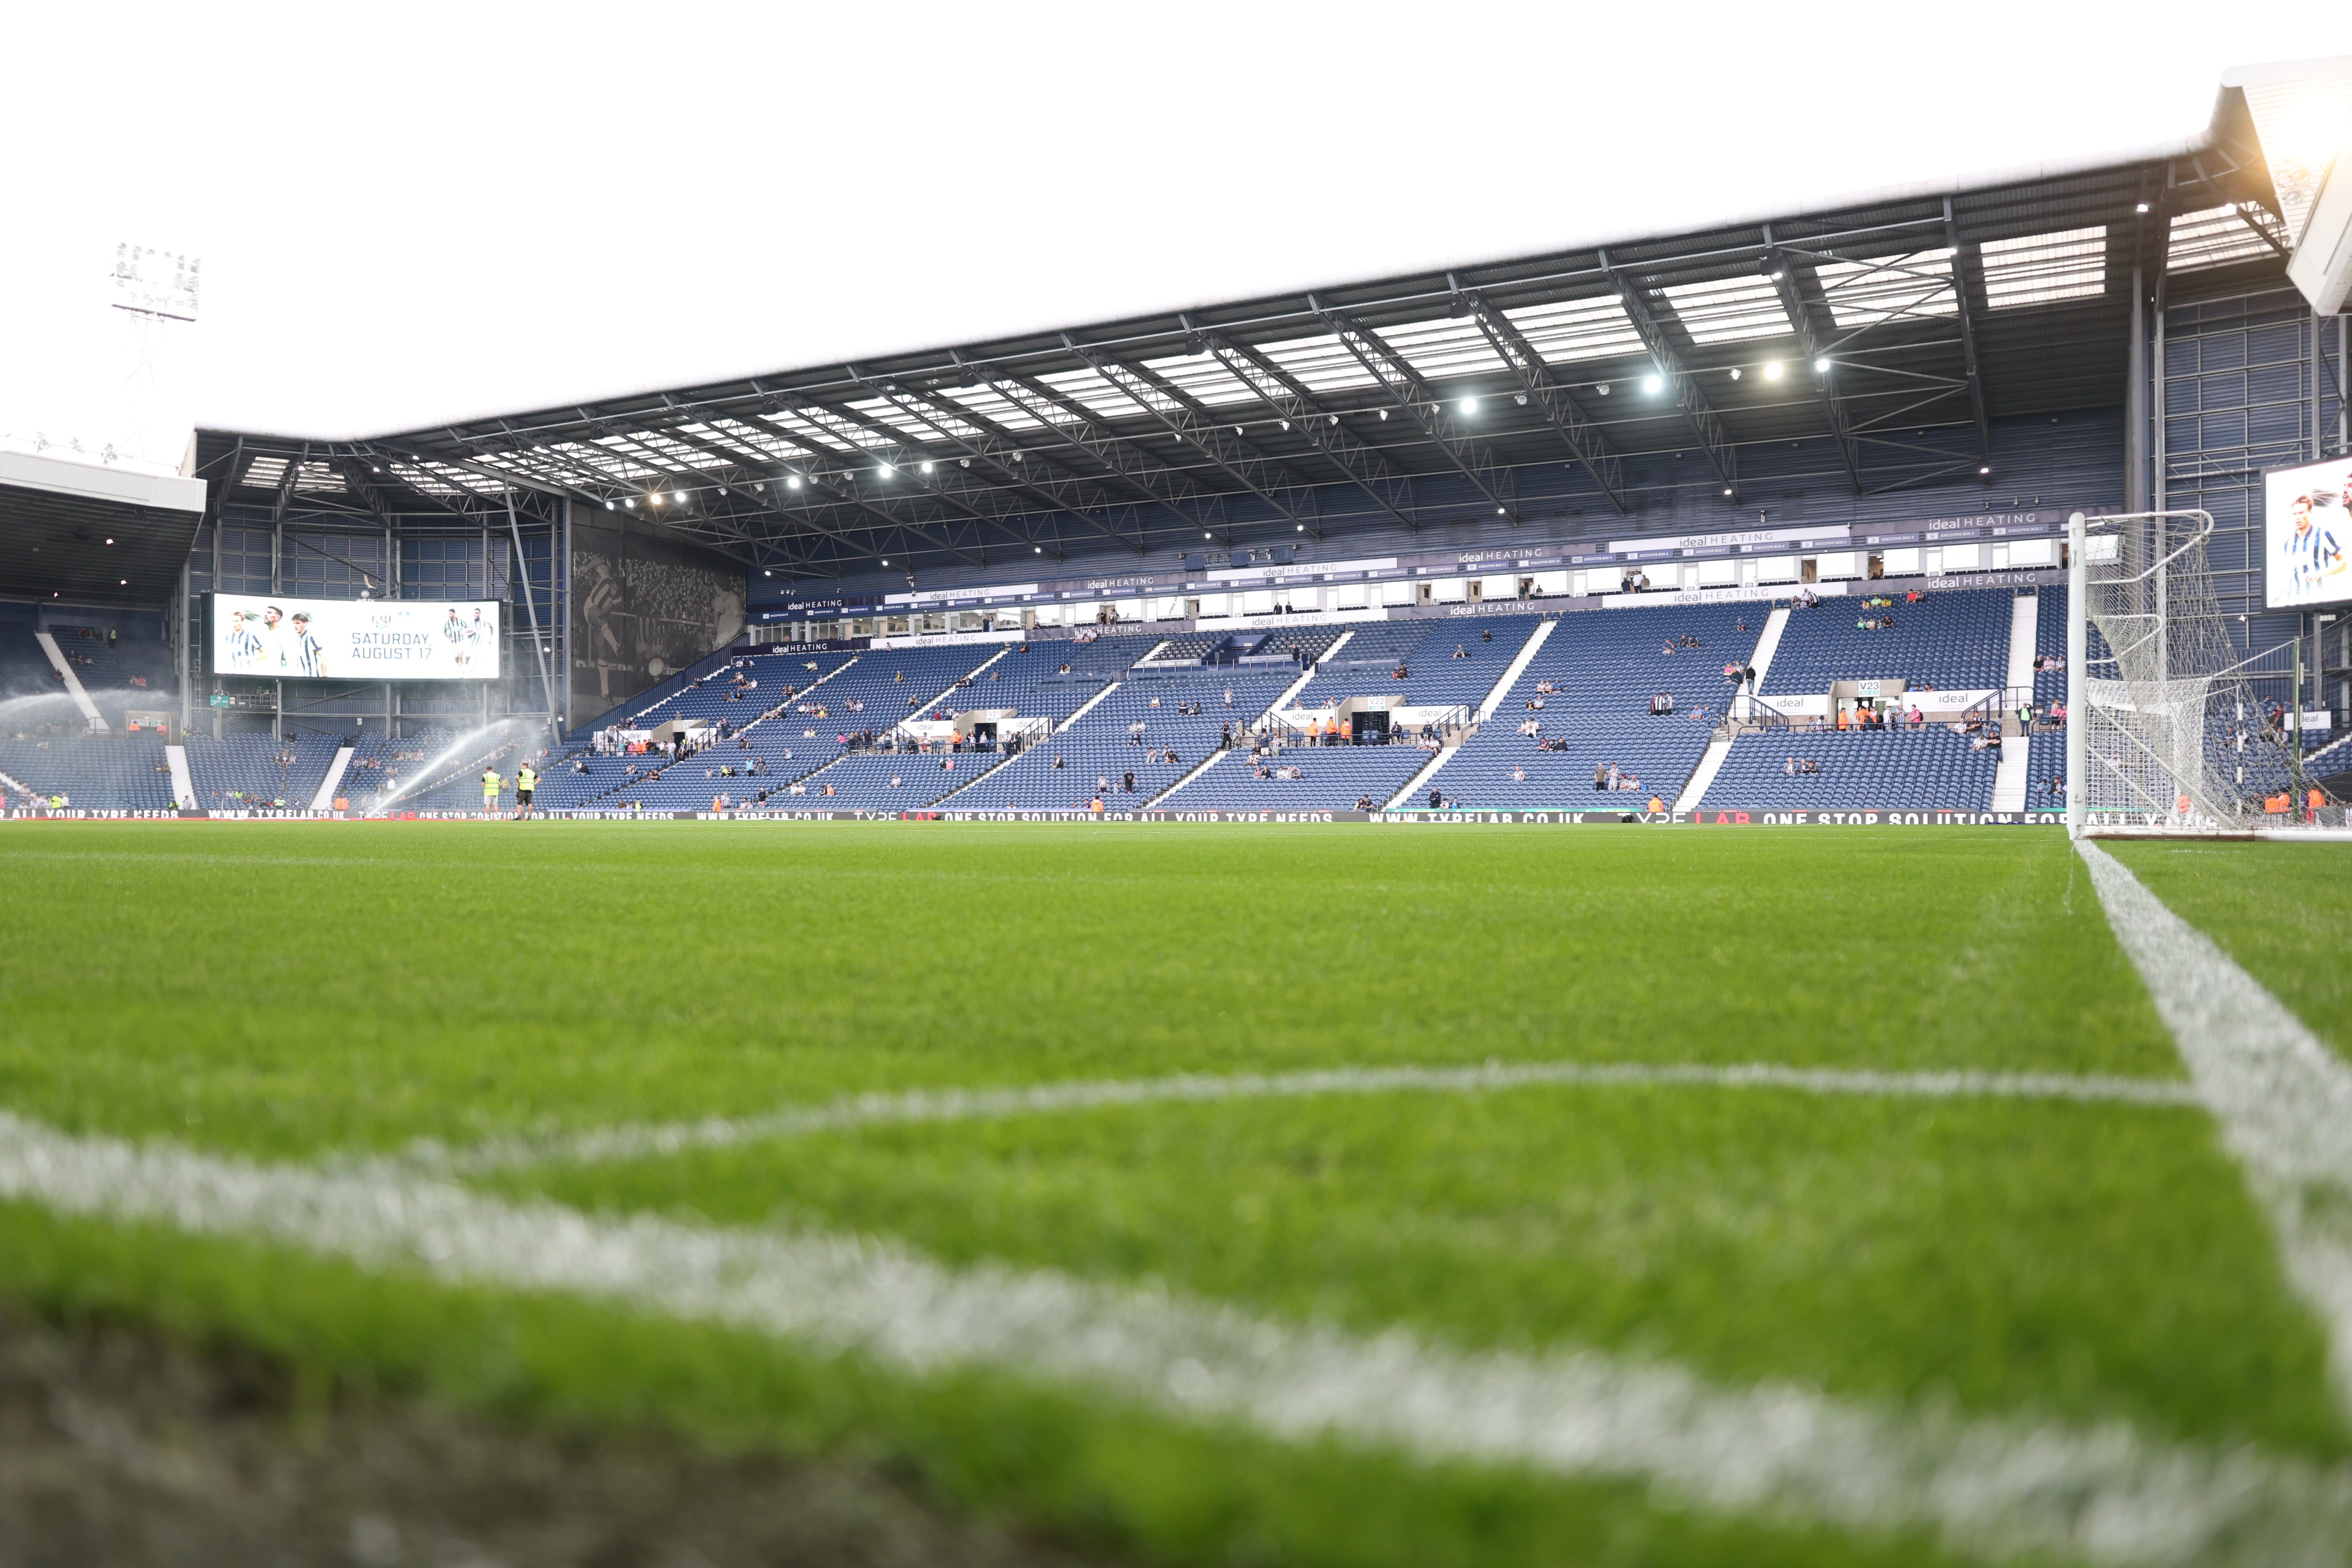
x: 2306, y: 528
x: 354, y: 639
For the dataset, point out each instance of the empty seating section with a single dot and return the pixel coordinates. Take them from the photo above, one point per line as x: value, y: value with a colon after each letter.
x: 1097, y: 752
x: 1956, y: 641
x: 863, y: 782
x: 882, y: 690
x: 378, y: 764
x: 1605, y: 668
x: 246, y: 772
x: 95, y: 772
x: 124, y: 673
x: 1880, y: 770
x: 1367, y: 664
x: 1300, y: 645
x: 741, y: 688
x: 1331, y: 778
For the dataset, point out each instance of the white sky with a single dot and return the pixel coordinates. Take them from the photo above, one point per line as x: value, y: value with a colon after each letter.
x: 432, y: 211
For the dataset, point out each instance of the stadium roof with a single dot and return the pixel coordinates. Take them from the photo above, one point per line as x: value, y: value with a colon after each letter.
x: 92, y: 535
x: 1900, y: 326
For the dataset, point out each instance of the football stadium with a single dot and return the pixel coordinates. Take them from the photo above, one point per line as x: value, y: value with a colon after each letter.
x: 857, y: 965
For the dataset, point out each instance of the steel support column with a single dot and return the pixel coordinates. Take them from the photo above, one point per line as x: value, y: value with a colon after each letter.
x: 1689, y: 400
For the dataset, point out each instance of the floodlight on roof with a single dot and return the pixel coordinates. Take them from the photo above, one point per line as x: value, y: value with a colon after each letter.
x: 1037, y: 549
x: 631, y: 503
x: 1469, y: 406
x: 678, y: 496
x: 1206, y: 535
x: 1734, y: 373
x: 375, y: 467
x: 1986, y: 469
x: 1653, y: 383
x: 1727, y: 489
x: 608, y: 506
x: 927, y: 466
x: 1823, y: 364
x: 1520, y: 398
x: 1602, y: 389
x: 1772, y: 370
x: 886, y: 470
x: 1384, y: 413
x: 1302, y: 528
x: 767, y: 574
x: 795, y: 483
x: 655, y: 497
x: 1285, y: 424
x: 110, y: 542
x: 2141, y: 208
x: 1500, y: 511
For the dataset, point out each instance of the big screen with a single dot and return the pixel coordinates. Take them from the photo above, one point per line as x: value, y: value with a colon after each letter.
x: 355, y: 639
x: 2307, y: 534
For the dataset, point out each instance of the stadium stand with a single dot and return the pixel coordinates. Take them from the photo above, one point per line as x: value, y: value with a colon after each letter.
x: 1958, y: 641
x: 103, y: 773
x: 1604, y: 669
x: 248, y: 771
x: 1871, y: 770
x: 1097, y: 752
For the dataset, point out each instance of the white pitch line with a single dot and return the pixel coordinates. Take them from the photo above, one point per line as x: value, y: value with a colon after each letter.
x: 2283, y: 1099
x: 652, y: 1140
x: 1990, y: 1488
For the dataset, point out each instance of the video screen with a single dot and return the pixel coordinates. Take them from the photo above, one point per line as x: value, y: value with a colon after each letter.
x: 355, y: 639
x: 2306, y: 526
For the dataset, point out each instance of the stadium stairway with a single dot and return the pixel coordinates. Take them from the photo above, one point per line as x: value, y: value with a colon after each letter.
x: 325, y: 799
x: 2008, y: 778
x: 183, y: 786
x: 74, y: 687
x: 1526, y: 656
x: 1413, y: 785
x: 1709, y: 765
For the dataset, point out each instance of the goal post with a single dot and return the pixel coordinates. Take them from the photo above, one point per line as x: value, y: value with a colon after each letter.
x: 2165, y: 732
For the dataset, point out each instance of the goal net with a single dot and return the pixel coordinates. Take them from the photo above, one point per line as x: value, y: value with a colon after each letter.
x: 2165, y: 728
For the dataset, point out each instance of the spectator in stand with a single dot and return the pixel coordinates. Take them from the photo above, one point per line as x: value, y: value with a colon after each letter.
x: 1601, y: 775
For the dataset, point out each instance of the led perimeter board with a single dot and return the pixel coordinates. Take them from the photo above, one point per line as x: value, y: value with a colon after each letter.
x: 2307, y: 535
x: 354, y: 639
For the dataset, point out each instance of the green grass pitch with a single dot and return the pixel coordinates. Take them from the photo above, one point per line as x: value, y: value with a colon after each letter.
x: 325, y: 990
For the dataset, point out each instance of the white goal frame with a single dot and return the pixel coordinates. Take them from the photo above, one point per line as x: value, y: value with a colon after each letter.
x: 2175, y: 665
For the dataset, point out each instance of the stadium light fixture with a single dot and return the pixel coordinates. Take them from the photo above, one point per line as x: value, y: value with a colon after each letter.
x: 1469, y: 406
x: 927, y: 466
x: 1727, y: 489
x: 1037, y: 549
x: 110, y: 542
x: 655, y: 497
x: 1602, y: 389
x: 1734, y: 373
x: 1302, y: 528
x: 1285, y: 424
x: 1772, y: 370
x: 795, y: 483
x: 1384, y: 413
x: 1653, y: 383
x: 2141, y: 208
x: 886, y: 470
x: 767, y: 574
x: 1823, y: 364
x: 1986, y: 469
x: 608, y: 506
x: 126, y: 582
x: 678, y: 496
x: 1502, y: 512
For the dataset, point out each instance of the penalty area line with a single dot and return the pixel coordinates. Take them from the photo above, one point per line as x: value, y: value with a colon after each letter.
x: 654, y: 1140
x: 1991, y: 1487
x: 2283, y: 1098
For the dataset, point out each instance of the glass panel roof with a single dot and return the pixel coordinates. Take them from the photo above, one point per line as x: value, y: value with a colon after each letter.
x: 2043, y: 268
x: 1889, y: 289
x: 2214, y: 237
x: 1204, y: 377
x: 1445, y: 348
x: 1091, y: 391
x: 994, y: 407
x: 1319, y: 364
x: 1578, y: 329
x: 1729, y: 310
